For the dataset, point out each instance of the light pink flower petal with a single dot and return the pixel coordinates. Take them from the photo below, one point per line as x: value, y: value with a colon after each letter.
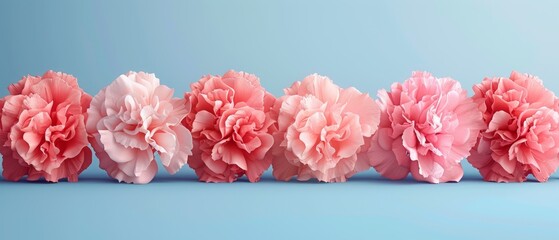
x: 523, y: 131
x: 230, y: 155
x: 320, y: 87
x: 365, y: 107
x: 283, y: 170
x: 213, y: 165
x: 204, y: 120
x: 231, y: 123
x: 321, y: 130
x: 388, y: 156
x: 70, y: 168
x: 42, y: 133
x: 432, y: 126
x: 116, y: 151
x: 13, y: 170
x: 140, y: 164
x: 79, y: 136
x: 131, y: 119
x: 452, y: 173
x: 174, y: 161
x: 255, y: 169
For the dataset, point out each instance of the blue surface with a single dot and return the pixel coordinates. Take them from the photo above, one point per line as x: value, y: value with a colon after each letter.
x: 366, y: 44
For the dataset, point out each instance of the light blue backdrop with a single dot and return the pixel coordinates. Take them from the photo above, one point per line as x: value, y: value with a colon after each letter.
x: 366, y: 44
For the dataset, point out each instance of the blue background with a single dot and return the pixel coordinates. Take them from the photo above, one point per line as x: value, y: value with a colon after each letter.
x: 366, y: 44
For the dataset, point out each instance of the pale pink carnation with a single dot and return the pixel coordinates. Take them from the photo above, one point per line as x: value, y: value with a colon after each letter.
x: 231, y: 127
x: 321, y: 130
x: 428, y: 125
x: 133, y: 118
x: 42, y: 129
x: 522, y: 137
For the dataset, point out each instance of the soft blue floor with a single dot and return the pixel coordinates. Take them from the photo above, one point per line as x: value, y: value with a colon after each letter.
x: 180, y: 207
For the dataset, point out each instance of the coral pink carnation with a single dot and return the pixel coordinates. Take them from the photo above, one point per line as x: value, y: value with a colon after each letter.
x: 321, y: 130
x: 42, y: 129
x: 523, y: 129
x: 231, y: 127
x: 428, y: 125
x: 133, y: 118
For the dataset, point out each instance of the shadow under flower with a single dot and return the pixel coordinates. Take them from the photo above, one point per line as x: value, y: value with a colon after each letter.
x: 268, y: 178
x: 553, y: 179
x: 96, y: 179
x: 359, y: 178
x: 81, y: 179
x: 471, y: 178
x: 175, y: 179
x: 24, y: 181
x: 156, y: 180
x: 377, y: 179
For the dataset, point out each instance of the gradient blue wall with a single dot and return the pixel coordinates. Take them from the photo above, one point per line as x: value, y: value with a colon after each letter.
x: 366, y: 44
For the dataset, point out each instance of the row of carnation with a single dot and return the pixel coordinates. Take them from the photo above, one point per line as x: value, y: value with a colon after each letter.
x: 230, y: 126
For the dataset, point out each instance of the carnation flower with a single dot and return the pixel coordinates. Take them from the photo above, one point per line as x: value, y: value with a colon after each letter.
x: 231, y: 127
x: 133, y: 118
x: 428, y: 125
x: 321, y: 130
x: 42, y: 129
x: 523, y: 129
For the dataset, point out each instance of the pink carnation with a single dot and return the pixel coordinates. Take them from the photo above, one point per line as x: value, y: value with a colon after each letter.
x: 428, y: 125
x: 133, y: 118
x: 321, y: 130
x: 42, y: 129
x: 231, y: 127
x: 523, y: 129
